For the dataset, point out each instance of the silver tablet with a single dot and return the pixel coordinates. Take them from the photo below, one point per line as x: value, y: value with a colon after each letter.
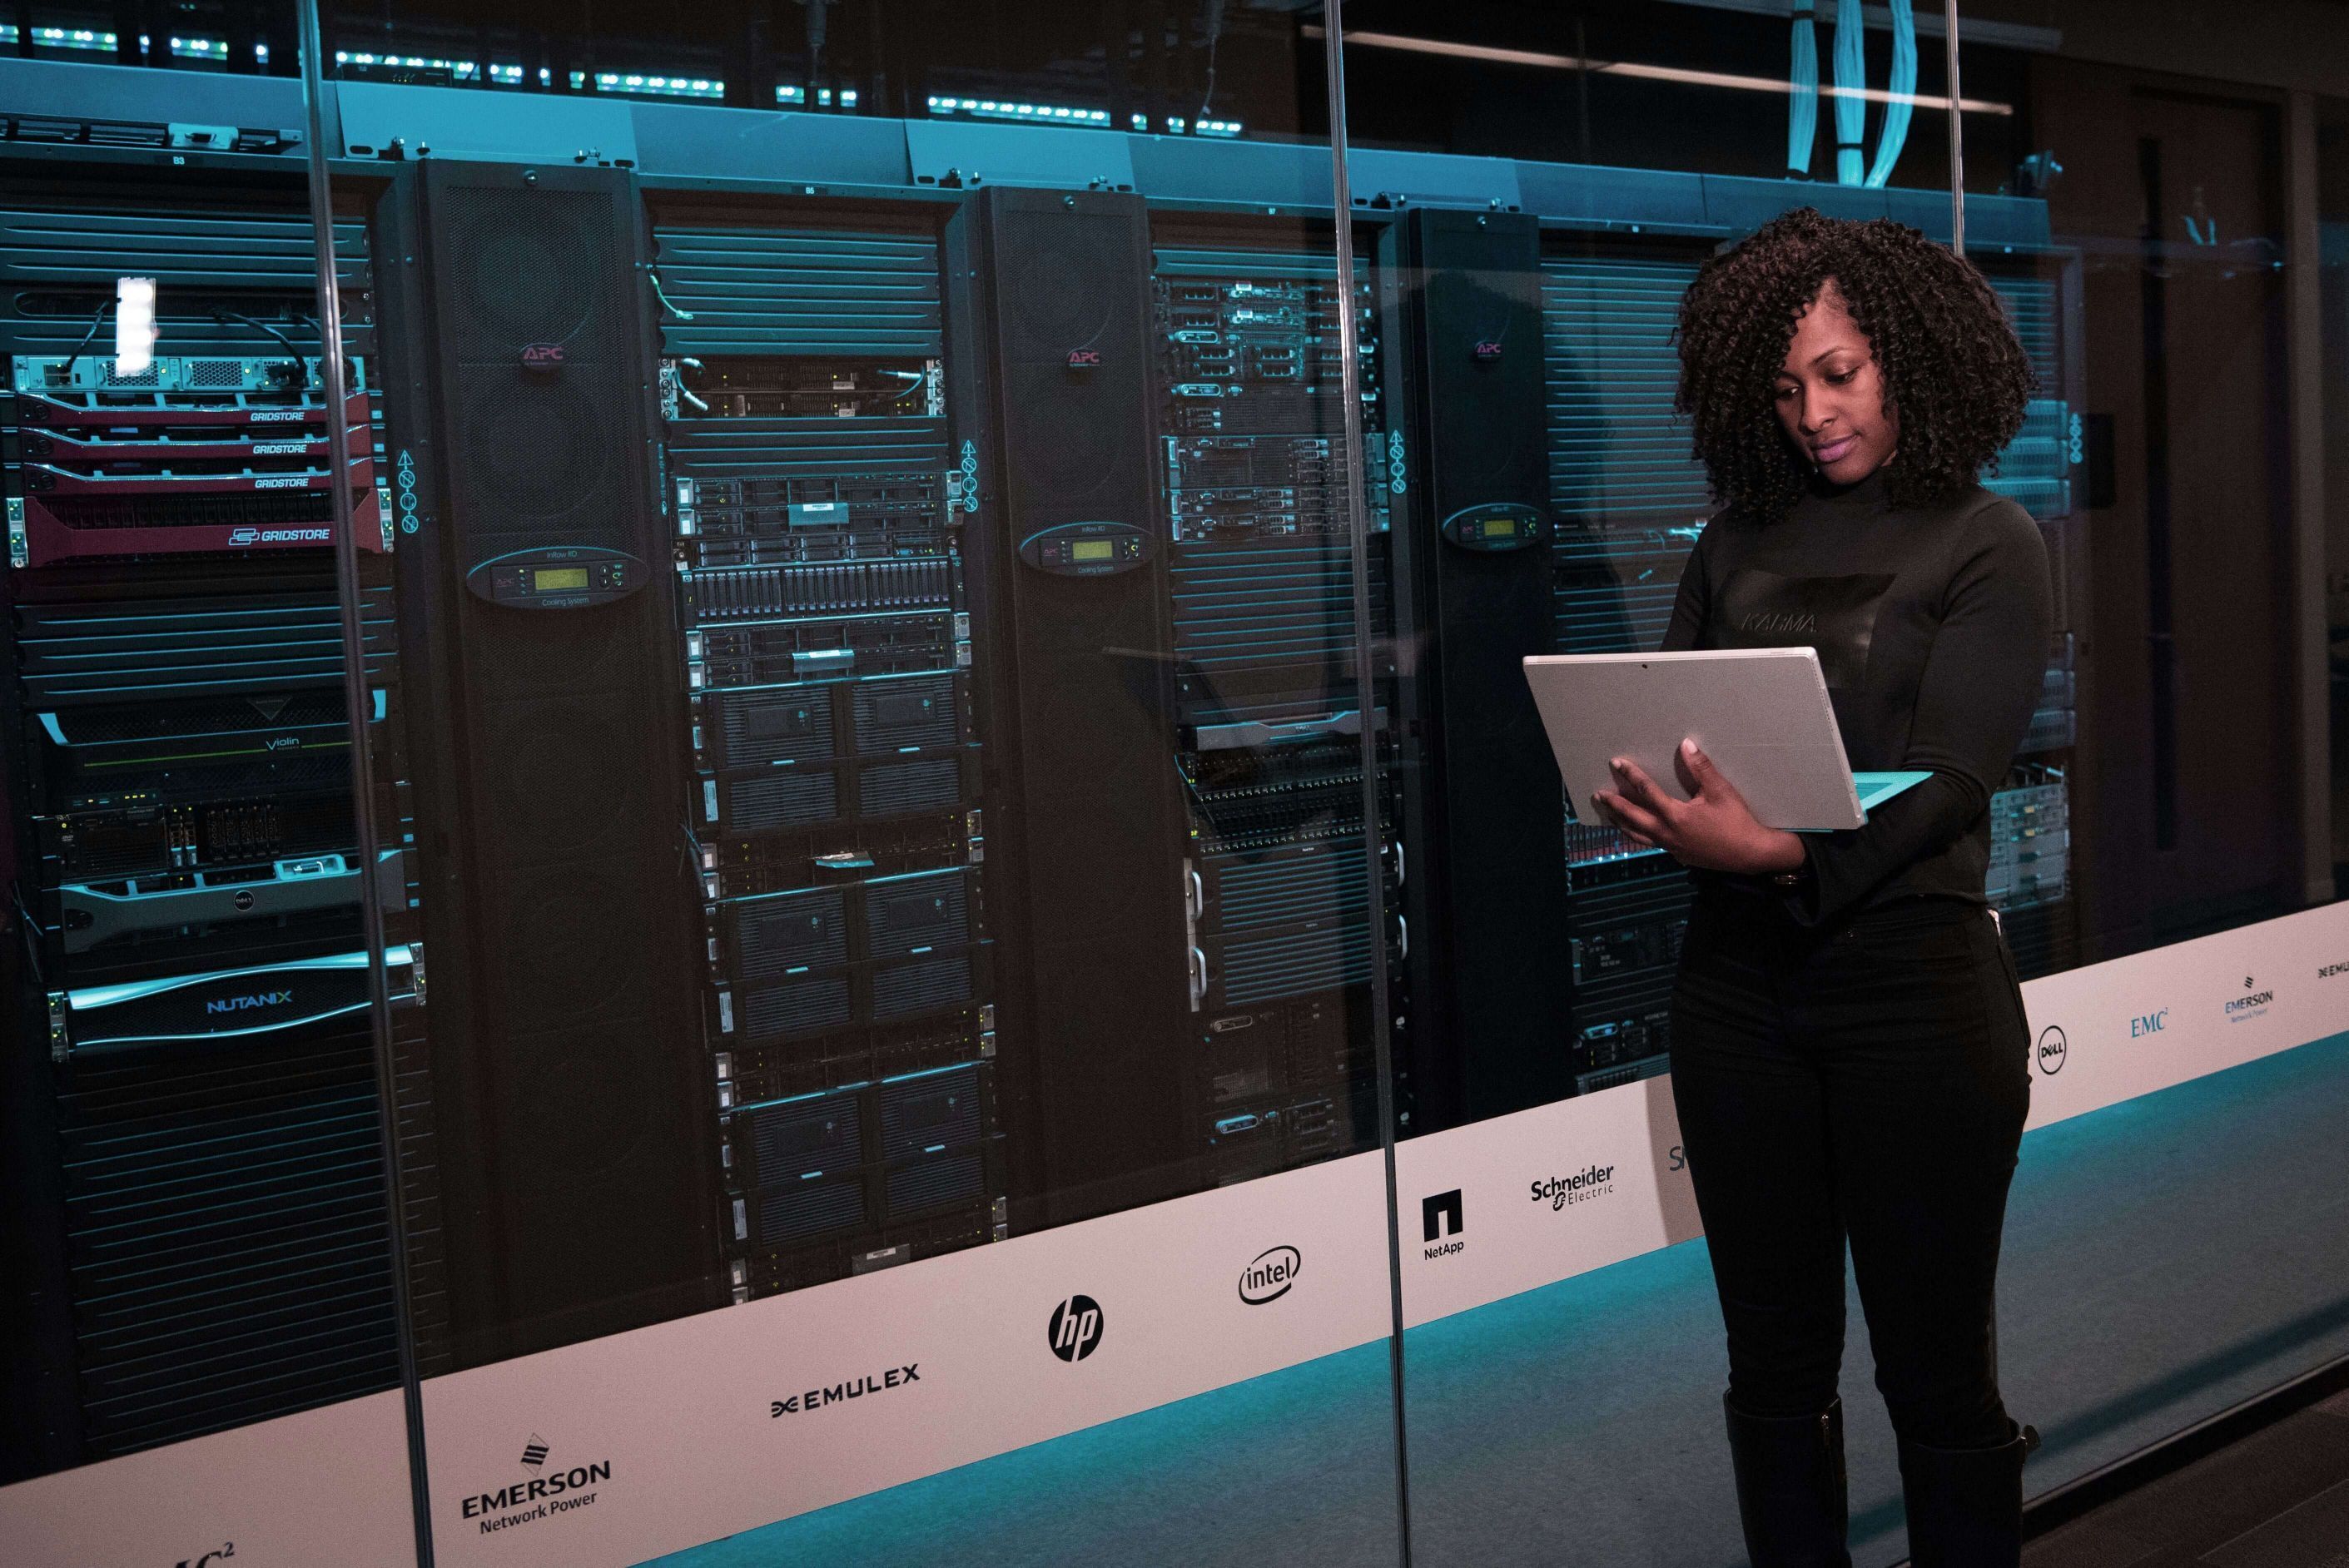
x: 1761, y: 714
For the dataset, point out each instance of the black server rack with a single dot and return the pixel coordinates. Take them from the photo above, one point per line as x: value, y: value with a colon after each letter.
x: 192, y: 1090
x: 1631, y: 502
x: 1270, y: 702
x: 1475, y: 547
x: 546, y: 720
x: 827, y: 645
x: 2031, y: 827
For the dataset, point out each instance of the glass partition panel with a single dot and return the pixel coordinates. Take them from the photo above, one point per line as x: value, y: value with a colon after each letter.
x: 2157, y: 944
x: 201, y: 1326
x: 2190, y: 190
x: 879, y: 737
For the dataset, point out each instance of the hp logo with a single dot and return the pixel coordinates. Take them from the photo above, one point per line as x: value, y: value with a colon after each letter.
x: 1075, y: 1331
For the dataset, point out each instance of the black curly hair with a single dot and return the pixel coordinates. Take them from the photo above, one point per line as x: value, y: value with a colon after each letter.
x: 1949, y: 362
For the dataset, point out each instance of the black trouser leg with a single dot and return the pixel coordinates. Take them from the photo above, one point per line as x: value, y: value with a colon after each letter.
x: 1753, y: 1118
x: 1874, y: 1083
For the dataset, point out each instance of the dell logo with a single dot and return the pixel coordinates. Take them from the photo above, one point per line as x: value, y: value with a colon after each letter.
x: 2148, y: 1023
x: 1269, y: 1275
x: 2051, y: 1050
x: 1075, y: 1331
x: 542, y: 356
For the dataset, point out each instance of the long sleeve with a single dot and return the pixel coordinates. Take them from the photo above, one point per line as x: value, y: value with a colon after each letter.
x: 1982, y: 681
x: 1689, y: 605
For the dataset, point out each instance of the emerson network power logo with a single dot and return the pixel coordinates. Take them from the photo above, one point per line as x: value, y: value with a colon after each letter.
x: 547, y: 1492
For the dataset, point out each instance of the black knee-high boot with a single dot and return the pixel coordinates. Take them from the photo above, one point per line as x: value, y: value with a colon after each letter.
x: 1965, y: 1505
x: 1791, y: 1487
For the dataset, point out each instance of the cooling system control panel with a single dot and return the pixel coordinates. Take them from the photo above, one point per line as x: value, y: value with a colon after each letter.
x: 557, y: 577
x: 1086, y: 549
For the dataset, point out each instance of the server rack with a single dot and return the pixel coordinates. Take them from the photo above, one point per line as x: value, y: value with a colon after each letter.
x: 192, y: 1087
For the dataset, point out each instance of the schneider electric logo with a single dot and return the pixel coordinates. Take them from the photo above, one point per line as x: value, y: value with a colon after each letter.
x: 840, y: 1393
x: 1587, y: 1185
x: 550, y: 1490
x: 1075, y: 1330
x: 1441, y: 1216
x: 2252, y: 1003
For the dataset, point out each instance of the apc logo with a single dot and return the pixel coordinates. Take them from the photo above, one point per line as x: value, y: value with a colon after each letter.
x: 1075, y: 1331
x: 244, y: 1004
x: 220, y: 1554
x: 2051, y: 1050
x: 542, y: 357
x: 2148, y: 1023
x: 1270, y: 1275
x: 1084, y: 358
x: 1442, y: 1215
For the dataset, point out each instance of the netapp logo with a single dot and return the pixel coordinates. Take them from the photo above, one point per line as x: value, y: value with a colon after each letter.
x: 220, y: 1554
x: 245, y: 1003
x: 2249, y: 1004
x: 1442, y: 1215
x: 1591, y: 1182
x: 2152, y: 1023
x: 542, y: 356
x: 840, y: 1393
x: 1075, y: 1331
x: 541, y: 1497
x: 2052, y: 1048
x: 1269, y: 1274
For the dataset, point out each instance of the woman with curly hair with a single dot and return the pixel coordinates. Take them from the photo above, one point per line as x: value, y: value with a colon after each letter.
x: 1849, y: 1055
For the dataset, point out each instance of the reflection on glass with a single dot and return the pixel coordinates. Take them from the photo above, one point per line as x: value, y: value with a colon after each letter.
x: 198, y: 1237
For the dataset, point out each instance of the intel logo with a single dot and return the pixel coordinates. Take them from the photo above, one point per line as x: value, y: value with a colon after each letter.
x: 1269, y: 1275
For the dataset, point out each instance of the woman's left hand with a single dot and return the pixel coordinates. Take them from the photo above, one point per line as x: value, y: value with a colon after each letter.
x: 1714, y: 830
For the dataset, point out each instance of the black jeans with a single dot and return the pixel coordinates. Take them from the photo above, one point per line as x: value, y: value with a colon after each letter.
x: 1865, y: 1084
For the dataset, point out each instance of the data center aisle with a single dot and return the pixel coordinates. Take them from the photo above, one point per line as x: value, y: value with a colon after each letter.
x: 1579, y: 1423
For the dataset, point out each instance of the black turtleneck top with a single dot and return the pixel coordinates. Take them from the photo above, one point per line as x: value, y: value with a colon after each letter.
x: 1931, y: 627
